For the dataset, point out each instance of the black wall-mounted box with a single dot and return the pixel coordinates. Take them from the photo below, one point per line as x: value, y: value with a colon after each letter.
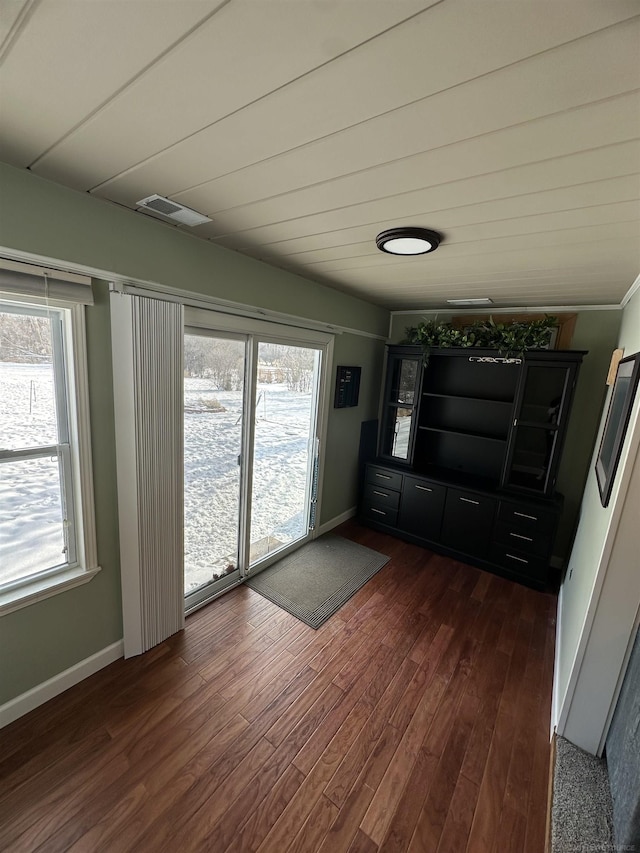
x: 347, y: 387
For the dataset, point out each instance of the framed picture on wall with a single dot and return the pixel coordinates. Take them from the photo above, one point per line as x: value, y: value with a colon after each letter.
x: 615, y: 427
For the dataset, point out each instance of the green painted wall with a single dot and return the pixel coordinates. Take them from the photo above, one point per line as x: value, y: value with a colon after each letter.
x: 340, y: 490
x: 39, y: 217
x: 597, y: 332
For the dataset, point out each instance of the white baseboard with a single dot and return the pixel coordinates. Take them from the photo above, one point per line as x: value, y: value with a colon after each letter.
x: 21, y: 705
x: 334, y: 522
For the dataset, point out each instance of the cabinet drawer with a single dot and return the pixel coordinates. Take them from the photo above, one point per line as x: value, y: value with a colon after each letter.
x: 526, y: 565
x: 384, y: 477
x: 467, y: 524
x: 526, y: 518
x: 421, y: 507
x: 533, y: 542
x: 380, y: 497
x: 382, y: 516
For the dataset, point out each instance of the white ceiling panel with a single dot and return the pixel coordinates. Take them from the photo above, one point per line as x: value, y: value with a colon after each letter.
x: 517, y: 188
x: 13, y: 16
x: 625, y: 231
x: 596, y: 164
x: 72, y: 56
x: 305, y: 127
x: 610, y: 217
x: 290, y: 117
x: 591, y: 126
x: 556, y: 215
x: 284, y: 40
x: 538, y: 256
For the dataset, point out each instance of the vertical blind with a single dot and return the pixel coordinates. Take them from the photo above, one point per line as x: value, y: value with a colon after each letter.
x: 148, y: 382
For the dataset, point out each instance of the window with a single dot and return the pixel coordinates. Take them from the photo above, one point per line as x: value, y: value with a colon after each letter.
x: 47, y: 529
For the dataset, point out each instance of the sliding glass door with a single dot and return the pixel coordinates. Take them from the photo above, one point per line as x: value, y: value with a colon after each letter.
x: 214, y: 392
x: 284, y: 447
x: 251, y: 450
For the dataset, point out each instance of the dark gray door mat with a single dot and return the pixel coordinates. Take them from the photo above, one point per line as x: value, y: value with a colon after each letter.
x: 582, y: 816
x: 317, y: 579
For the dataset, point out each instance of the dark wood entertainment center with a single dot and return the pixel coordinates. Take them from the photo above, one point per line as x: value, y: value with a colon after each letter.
x: 468, y: 455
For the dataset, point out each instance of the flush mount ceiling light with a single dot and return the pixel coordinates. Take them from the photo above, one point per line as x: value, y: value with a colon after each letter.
x: 408, y: 241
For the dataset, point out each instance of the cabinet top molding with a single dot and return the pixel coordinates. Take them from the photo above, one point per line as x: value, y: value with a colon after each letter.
x: 483, y: 352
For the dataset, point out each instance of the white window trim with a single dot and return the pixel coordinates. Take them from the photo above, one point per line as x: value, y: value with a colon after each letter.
x: 86, y: 566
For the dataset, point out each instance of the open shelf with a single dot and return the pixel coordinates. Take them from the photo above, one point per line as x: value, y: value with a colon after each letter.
x: 464, y: 434
x: 468, y: 399
x: 461, y: 479
x: 464, y: 416
x: 538, y: 425
x: 453, y: 377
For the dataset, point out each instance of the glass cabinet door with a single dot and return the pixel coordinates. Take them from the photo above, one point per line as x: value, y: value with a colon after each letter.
x: 404, y: 374
x: 538, y: 427
x: 403, y: 392
x: 400, y: 436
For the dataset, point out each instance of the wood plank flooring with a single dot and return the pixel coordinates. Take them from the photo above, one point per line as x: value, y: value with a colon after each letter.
x: 415, y: 719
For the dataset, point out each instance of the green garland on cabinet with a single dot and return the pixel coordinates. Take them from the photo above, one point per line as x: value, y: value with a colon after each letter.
x: 511, y: 338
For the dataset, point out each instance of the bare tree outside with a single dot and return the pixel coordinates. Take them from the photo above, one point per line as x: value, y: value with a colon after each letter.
x: 216, y: 359
x: 25, y: 339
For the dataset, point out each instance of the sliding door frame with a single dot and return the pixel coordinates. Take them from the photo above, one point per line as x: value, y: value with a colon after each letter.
x: 203, y: 321
x: 248, y: 570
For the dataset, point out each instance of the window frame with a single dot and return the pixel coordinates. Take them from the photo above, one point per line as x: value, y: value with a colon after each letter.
x: 72, y: 400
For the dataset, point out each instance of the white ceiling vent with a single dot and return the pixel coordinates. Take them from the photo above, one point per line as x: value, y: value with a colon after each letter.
x: 172, y: 210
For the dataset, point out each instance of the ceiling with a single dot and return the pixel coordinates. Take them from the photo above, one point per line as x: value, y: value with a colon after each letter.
x: 302, y: 128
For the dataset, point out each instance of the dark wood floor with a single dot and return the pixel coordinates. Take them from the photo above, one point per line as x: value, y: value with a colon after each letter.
x: 416, y: 719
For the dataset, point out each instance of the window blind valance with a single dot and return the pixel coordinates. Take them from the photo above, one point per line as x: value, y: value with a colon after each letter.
x: 34, y: 282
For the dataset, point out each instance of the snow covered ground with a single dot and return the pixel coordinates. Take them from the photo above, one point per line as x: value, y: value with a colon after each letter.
x: 30, y: 510
x: 212, y: 473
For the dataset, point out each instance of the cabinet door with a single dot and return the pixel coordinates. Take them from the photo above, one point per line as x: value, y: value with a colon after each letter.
x: 421, y: 508
x: 541, y: 415
x: 467, y: 524
x: 404, y: 375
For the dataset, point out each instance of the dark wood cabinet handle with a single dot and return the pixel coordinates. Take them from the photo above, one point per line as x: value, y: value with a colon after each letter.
x: 469, y: 501
x: 519, y: 559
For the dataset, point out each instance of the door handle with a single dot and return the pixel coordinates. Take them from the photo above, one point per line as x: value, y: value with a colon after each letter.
x: 424, y: 488
x: 469, y: 501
